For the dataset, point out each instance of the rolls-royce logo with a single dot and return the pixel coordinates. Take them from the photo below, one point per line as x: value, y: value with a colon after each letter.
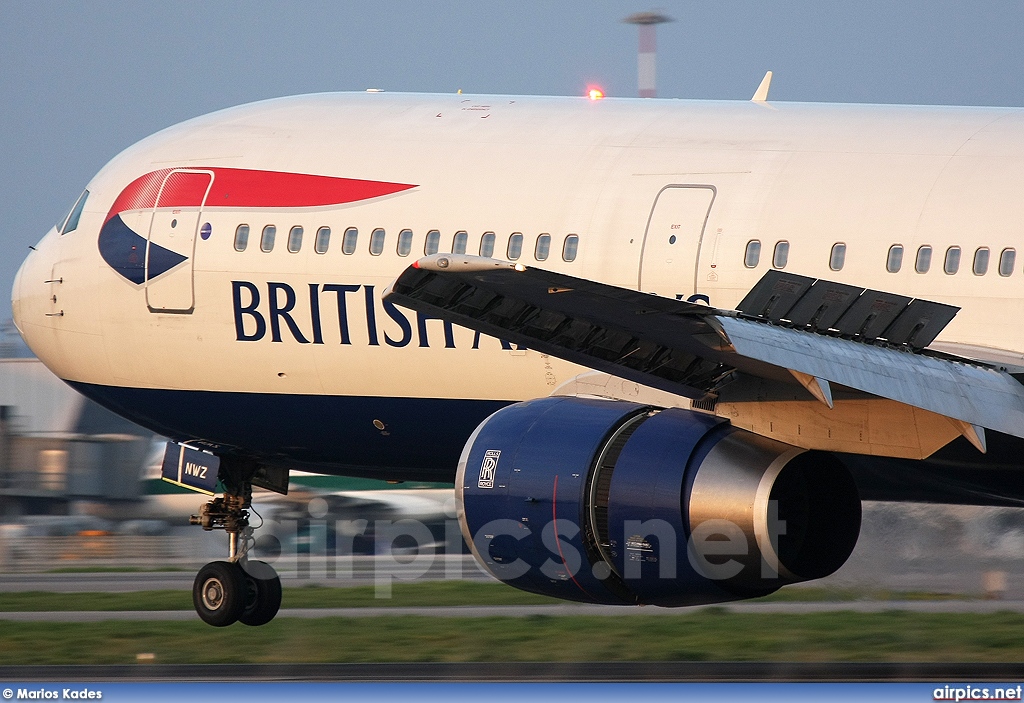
x: 487, y: 468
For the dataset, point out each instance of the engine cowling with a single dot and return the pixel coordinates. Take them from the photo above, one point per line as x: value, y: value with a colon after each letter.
x: 607, y: 501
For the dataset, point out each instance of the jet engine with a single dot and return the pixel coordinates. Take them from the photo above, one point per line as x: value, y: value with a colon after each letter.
x: 606, y: 501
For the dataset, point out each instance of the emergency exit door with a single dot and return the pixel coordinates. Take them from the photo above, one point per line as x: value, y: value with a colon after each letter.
x: 668, y: 262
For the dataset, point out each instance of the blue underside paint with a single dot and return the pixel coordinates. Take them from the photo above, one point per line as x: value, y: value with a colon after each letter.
x: 125, y: 252
x: 421, y: 440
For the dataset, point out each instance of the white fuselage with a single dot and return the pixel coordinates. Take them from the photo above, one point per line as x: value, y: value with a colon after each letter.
x: 625, y: 176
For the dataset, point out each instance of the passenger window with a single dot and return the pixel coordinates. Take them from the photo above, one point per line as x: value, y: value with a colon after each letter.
x: 267, y: 240
x: 487, y: 244
x: 1006, y: 261
x: 981, y: 261
x: 781, y: 256
x: 837, y: 259
x: 404, y: 242
x: 71, y: 223
x: 924, y: 259
x: 241, y: 237
x: 377, y: 242
x: 752, y: 255
x: 349, y: 241
x: 323, y: 240
x: 543, y: 247
x: 894, y: 262
x: 515, y: 246
x: 460, y: 242
x: 569, y: 247
x: 433, y: 242
x: 952, y: 262
x: 295, y: 239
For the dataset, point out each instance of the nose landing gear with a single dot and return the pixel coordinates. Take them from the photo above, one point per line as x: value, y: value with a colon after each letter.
x: 227, y: 592
x: 219, y: 593
x: 262, y: 593
x: 239, y: 589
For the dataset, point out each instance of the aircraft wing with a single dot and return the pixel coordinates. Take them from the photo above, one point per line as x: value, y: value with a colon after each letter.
x: 789, y: 327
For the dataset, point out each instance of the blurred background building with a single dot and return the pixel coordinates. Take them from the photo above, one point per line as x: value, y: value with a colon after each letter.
x: 60, y: 453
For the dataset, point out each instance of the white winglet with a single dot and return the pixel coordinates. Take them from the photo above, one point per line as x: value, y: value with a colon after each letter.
x: 761, y: 94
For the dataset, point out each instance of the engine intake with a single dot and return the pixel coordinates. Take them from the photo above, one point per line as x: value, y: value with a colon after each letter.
x: 614, y: 502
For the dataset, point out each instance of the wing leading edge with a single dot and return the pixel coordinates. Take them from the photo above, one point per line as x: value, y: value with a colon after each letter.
x: 694, y: 350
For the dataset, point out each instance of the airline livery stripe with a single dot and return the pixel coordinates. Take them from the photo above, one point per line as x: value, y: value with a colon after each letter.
x: 237, y: 187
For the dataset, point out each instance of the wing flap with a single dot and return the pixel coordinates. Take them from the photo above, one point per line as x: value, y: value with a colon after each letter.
x: 979, y: 395
x: 692, y: 350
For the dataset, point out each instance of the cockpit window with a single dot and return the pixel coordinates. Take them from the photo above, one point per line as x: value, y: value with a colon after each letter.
x: 70, y: 223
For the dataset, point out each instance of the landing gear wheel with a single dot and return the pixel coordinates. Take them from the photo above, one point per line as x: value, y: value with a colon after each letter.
x: 219, y: 593
x: 262, y: 593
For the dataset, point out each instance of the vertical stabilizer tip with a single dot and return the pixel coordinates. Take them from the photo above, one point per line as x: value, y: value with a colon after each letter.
x: 761, y: 94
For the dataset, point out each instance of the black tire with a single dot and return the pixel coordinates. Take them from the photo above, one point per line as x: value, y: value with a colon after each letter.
x: 263, y: 593
x: 218, y: 593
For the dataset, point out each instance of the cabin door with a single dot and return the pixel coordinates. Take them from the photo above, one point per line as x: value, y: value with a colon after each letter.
x: 668, y: 262
x: 170, y: 249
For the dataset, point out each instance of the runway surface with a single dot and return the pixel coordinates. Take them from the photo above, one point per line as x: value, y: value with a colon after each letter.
x: 359, y: 572
x: 519, y: 611
x: 527, y: 671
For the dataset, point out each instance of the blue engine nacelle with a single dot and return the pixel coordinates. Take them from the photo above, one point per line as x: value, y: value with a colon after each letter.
x: 607, y: 501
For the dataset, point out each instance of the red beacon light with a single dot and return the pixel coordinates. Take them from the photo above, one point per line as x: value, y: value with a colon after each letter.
x: 595, y: 93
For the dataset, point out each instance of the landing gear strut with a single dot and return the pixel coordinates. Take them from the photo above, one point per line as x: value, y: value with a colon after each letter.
x: 239, y: 589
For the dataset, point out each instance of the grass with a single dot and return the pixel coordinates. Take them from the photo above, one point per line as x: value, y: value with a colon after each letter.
x: 843, y: 595
x: 708, y: 635
x: 424, y: 593
x: 711, y: 634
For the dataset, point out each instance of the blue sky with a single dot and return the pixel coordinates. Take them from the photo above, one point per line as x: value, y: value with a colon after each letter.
x: 80, y: 81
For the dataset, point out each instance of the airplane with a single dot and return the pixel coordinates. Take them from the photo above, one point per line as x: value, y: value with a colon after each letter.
x: 663, y: 348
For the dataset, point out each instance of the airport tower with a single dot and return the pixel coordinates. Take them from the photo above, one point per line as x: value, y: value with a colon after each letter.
x: 646, y: 22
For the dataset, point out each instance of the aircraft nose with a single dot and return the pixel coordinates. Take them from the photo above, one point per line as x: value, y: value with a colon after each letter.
x: 29, y: 295
x: 16, y: 306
